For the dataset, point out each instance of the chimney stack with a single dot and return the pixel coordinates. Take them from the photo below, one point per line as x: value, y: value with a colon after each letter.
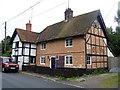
x: 68, y: 14
x: 29, y: 26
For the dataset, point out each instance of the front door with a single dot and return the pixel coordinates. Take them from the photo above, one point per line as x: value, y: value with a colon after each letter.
x: 20, y: 62
x: 52, y: 62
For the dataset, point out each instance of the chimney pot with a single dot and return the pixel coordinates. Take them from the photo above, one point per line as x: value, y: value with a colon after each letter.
x: 29, y: 26
x: 68, y: 14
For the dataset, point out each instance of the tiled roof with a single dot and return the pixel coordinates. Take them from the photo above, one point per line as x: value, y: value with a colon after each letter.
x: 78, y: 25
x: 25, y: 36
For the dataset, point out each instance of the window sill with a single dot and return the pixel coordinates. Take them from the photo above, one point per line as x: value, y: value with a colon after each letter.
x: 43, y: 49
x: 68, y: 64
x: 89, y: 64
x: 68, y: 46
x: 42, y: 63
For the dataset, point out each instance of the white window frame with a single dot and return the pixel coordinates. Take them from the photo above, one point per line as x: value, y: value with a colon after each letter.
x: 43, y: 46
x: 41, y: 59
x: 69, y: 45
x: 90, y: 60
x: 69, y: 59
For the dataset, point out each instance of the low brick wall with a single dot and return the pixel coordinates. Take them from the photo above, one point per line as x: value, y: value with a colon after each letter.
x: 63, y: 72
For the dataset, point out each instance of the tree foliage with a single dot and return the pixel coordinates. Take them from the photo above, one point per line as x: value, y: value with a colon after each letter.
x: 117, y: 18
x: 8, y: 47
x: 114, y: 40
x: 114, y: 36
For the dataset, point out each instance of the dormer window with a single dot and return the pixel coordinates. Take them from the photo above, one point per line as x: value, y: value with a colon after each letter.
x: 43, y: 46
x: 68, y: 42
x: 96, y: 24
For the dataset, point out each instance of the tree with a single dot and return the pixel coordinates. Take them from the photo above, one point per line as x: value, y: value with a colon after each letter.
x: 114, y: 36
x: 8, y: 47
x: 114, y: 42
x: 117, y: 18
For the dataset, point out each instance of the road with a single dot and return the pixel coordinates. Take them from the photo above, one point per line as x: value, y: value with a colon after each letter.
x: 18, y: 80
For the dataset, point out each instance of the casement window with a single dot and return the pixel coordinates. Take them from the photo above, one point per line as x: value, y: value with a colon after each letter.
x: 32, y: 60
x: 68, y: 60
x: 89, y: 60
x: 96, y: 24
x: 16, y: 44
x: 68, y: 42
x: 42, y: 60
x: 43, y: 46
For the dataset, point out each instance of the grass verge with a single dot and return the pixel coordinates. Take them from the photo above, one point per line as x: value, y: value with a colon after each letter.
x: 110, y: 82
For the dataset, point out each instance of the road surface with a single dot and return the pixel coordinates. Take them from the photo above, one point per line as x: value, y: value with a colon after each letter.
x: 18, y: 80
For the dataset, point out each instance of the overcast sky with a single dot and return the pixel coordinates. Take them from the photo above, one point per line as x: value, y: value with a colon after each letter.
x: 48, y: 12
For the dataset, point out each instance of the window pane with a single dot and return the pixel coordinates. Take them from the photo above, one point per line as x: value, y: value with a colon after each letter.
x: 68, y: 42
x: 42, y: 60
x: 88, y: 60
x: 68, y: 59
x: 43, y: 45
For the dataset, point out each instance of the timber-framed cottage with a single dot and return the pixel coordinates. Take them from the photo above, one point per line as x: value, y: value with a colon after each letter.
x: 76, y: 42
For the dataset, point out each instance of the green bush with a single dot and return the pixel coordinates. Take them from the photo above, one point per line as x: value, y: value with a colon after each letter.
x: 97, y: 72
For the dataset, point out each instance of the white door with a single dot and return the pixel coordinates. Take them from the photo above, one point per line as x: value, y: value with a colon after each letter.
x: 20, y: 62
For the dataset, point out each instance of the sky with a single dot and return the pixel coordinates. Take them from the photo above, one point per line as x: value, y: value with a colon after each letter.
x: 48, y: 12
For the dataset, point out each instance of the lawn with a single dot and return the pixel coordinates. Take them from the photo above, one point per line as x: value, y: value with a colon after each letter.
x: 110, y: 82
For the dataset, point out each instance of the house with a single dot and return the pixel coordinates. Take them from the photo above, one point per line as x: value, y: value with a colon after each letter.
x: 0, y: 48
x: 76, y: 42
x: 24, y: 46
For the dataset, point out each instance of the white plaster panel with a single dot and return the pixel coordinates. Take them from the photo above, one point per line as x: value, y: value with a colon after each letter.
x: 20, y: 44
x: 13, y: 45
x: 13, y: 52
x: 33, y: 52
x: 16, y: 39
x: 20, y: 51
x: 110, y: 53
x: 26, y: 59
x: 26, y: 45
x: 33, y: 46
x: 26, y: 51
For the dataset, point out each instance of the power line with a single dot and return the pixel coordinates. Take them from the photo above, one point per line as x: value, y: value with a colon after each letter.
x: 1, y: 24
x: 25, y: 10
x: 49, y: 9
x: 111, y: 9
x: 43, y: 12
x: 22, y: 12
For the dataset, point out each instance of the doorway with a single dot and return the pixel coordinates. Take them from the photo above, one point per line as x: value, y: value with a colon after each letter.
x: 52, y: 62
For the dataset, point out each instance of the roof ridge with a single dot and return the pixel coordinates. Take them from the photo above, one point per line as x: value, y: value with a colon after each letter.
x: 89, y: 12
x: 77, y: 25
x: 27, y: 30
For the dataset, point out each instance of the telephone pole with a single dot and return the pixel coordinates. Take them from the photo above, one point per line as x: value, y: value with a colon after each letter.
x: 5, y: 37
